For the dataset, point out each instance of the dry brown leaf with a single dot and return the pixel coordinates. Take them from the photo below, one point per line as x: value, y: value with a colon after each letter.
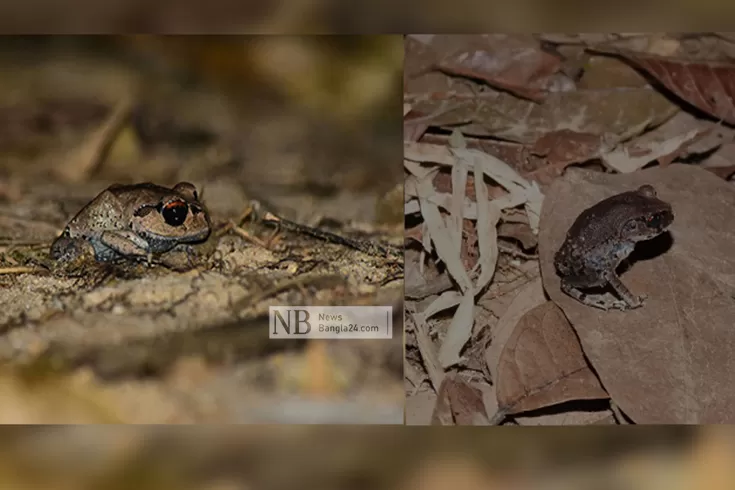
x: 459, y: 403
x: 453, y: 101
x: 520, y: 232
x: 542, y: 364
x: 503, y: 61
x: 722, y: 172
x: 415, y: 125
x: 500, y: 115
x: 707, y: 85
x: 633, y: 157
x: 722, y: 161
x: 564, y: 147
x: 605, y: 72
x: 526, y: 299
x: 671, y: 360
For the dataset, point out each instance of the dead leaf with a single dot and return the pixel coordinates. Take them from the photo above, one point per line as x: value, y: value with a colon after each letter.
x: 520, y: 232
x: 671, y: 360
x: 564, y: 147
x: 480, y: 111
x: 415, y: 125
x: 722, y: 172
x: 530, y: 296
x: 459, y: 402
x: 503, y: 61
x: 630, y: 158
x: 707, y: 85
x: 722, y: 161
x: 605, y: 72
x: 500, y: 115
x: 542, y: 364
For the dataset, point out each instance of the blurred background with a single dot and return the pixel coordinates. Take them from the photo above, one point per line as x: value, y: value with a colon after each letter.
x: 382, y: 16
x: 308, y: 128
x: 365, y: 458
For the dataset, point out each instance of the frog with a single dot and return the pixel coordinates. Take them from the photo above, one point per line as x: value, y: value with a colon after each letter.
x: 601, y: 238
x: 134, y: 222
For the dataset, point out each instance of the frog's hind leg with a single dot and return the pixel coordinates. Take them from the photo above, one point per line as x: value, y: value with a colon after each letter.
x: 631, y: 300
x: 571, y: 286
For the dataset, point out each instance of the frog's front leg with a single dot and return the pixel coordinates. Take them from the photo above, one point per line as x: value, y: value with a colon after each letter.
x: 125, y: 243
x: 632, y: 301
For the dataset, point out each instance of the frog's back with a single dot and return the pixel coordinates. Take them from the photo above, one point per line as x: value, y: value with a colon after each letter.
x: 603, y: 222
x: 113, y: 208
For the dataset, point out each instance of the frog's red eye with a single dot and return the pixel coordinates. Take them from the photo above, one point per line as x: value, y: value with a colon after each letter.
x: 174, y: 213
x: 654, y: 220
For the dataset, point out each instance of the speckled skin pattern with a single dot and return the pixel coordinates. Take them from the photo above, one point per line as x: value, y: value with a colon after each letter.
x: 602, y: 237
x: 134, y: 221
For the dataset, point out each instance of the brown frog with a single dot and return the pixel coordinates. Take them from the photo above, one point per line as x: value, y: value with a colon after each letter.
x: 601, y: 238
x: 134, y: 222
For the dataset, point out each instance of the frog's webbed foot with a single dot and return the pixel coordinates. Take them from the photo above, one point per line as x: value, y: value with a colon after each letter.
x: 65, y: 249
x: 182, y: 258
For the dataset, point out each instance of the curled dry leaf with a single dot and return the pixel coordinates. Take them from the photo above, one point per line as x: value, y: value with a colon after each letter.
x: 707, y: 85
x: 634, y: 157
x: 520, y: 192
x: 542, y: 364
x: 671, y: 360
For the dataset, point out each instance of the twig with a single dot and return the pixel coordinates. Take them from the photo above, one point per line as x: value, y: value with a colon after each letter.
x: 19, y: 270
x: 365, y: 246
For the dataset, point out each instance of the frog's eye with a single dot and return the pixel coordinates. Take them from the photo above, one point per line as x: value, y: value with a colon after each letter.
x: 174, y: 213
x: 654, y: 221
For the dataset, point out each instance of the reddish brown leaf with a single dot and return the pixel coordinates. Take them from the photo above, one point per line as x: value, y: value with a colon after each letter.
x: 459, y: 403
x: 542, y: 364
x: 521, y: 232
x: 707, y: 85
x: 564, y: 147
x: 509, y: 62
x: 479, y: 73
x: 724, y: 172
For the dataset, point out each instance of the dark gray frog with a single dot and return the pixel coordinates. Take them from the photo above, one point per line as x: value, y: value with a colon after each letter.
x: 601, y: 238
x: 134, y: 222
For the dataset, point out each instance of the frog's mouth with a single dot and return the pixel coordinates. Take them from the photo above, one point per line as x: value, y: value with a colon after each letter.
x: 163, y: 243
x: 655, y: 224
